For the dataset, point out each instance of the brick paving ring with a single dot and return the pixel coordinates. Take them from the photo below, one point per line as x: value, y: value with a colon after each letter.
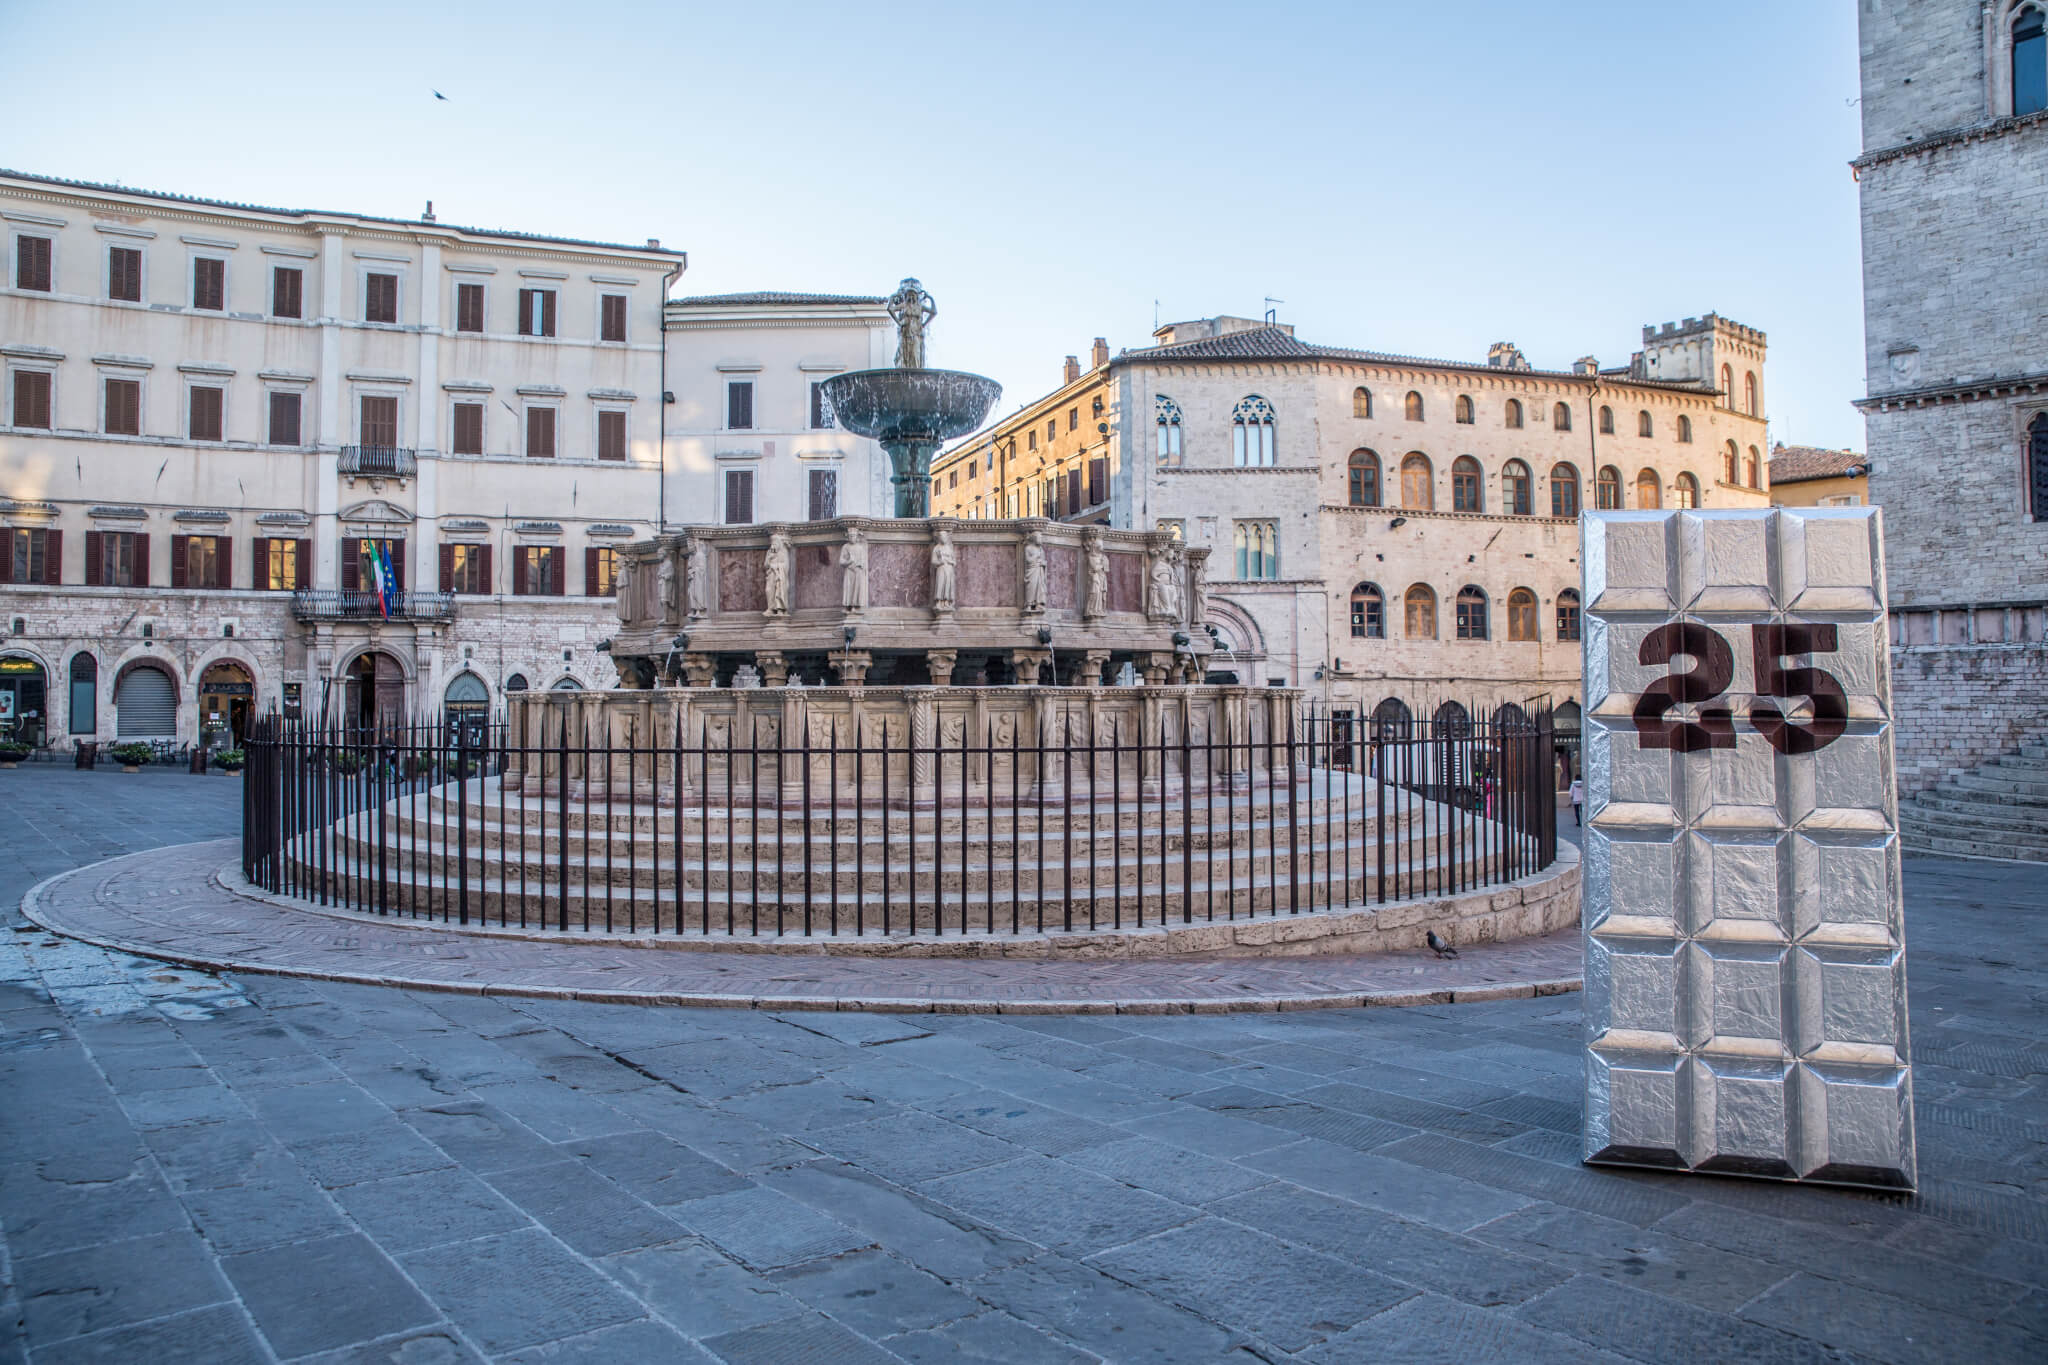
x: 189, y: 904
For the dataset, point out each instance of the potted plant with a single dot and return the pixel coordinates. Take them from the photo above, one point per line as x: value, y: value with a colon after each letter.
x: 12, y: 752
x: 132, y: 756
x: 349, y: 761
x: 230, y: 760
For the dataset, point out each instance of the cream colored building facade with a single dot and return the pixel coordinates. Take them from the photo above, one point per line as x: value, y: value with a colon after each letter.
x: 212, y: 410
x: 1384, y: 526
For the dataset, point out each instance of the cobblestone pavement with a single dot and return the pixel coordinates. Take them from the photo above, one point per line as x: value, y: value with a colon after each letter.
x: 206, y: 1169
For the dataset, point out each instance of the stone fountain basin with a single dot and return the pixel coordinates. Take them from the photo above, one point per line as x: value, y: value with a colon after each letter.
x: 914, y: 405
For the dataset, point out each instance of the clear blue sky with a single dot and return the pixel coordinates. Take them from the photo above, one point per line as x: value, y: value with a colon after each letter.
x: 1416, y: 178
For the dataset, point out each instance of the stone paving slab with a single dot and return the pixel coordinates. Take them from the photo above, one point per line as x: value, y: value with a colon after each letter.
x: 173, y: 904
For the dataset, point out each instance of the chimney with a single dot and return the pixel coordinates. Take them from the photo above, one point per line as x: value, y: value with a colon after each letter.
x: 1585, y: 364
x: 1098, y: 354
x: 1072, y: 369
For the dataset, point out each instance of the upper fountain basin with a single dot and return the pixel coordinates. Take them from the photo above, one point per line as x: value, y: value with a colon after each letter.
x: 911, y: 405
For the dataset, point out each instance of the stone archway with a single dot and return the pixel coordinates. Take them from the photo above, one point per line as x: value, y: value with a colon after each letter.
x: 373, y: 692
x: 227, y: 702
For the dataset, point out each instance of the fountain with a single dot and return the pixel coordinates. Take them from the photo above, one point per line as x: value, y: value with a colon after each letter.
x: 911, y: 410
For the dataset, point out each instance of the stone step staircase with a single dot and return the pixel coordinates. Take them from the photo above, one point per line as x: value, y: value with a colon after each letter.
x: 1997, y: 810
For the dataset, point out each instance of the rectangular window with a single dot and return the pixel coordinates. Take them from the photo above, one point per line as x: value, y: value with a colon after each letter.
x: 287, y: 292
x: 1052, y: 430
x: 32, y: 398
x: 469, y: 429
x: 952, y: 480
x: 739, y: 405
x: 124, y: 274
x: 540, y: 571
x: 118, y: 561
x: 468, y: 569
x: 972, y: 466
x: 1258, y: 549
x: 284, y: 419
x: 209, y: 283
x: 1073, y: 419
x: 821, y: 409
x: 199, y: 562
x: 469, y: 308
x: 600, y: 571
x: 540, y: 433
x: 1098, y: 481
x: 380, y: 298
x: 1567, y: 618
x: 32, y: 263
x: 611, y: 317
x: 124, y: 407
x: 208, y: 405
x: 1031, y: 439
x: 279, y: 566
x: 1074, y: 503
x: 31, y: 556
x: 739, y: 496
x: 611, y: 436
x: 536, y: 312
x: 824, y: 494
x: 379, y: 426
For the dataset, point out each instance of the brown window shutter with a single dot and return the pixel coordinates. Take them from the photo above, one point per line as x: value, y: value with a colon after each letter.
x: 224, y: 564
x: 611, y: 436
x: 259, y: 563
x: 526, y: 312
x: 380, y: 298
x: 351, y: 564
x: 53, y: 559
x: 31, y: 398
x: 469, y: 308
x: 302, y: 566
x: 142, y: 559
x: 540, y: 432
x: 485, y: 584
x: 614, y: 320
x: 209, y: 284
x: 519, y: 553
x: 92, y: 559
x: 287, y: 292
x: 590, y: 584
x: 284, y: 419
x: 124, y: 274
x: 447, y: 568
x: 547, y: 312
x: 32, y: 263
x: 7, y: 554
x: 178, y: 544
x: 124, y: 407
x: 207, y: 421
x: 560, y: 578
x: 395, y: 551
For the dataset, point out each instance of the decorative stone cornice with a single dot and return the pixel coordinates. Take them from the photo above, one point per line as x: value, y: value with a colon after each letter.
x: 1968, y: 392
x: 1953, y: 137
x: 1240, y: 469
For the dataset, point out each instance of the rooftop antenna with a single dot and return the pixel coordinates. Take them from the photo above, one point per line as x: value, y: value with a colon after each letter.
x: 1272, y: 313
x: 1155, y: 315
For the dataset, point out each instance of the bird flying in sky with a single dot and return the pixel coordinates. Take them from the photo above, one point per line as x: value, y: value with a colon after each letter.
x: 439, y: 96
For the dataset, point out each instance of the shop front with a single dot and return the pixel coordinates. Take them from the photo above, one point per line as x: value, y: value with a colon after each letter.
x: 227, y: 704
x: 23, y: 711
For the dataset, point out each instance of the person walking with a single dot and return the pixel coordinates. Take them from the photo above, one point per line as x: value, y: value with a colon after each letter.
x: 1578, y: 801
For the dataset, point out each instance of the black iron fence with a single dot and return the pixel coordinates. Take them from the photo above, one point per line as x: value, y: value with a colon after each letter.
x: 893, y: 834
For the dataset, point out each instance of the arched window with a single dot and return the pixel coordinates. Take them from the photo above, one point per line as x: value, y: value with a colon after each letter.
x: 1464, y: 410
x: 1391, y: 719
x: 1508, y: 716
x: 1607, y: 490
x: 1516, y: 484
x: 1467, y: 480
x: 1365, y: 479
x: 1471, y: 612
x: 1644, y: 426
x: 1368, y: 613
x: 1684, y: 429
x: 1419, y: 619
x: 565, y: 683
x: 1521, y: 615
x: 1564, y: 490
x: 1451, y: 721
x: 2029, y: 62
x: 1514, y: 414
x: 1251, y: 432
x: 1727, y: 388
x: 1685, y: 492
x: 1752, y: 470
x: 85, y: 694
x: 1734, y: 462
x: 1568, y: 614
x: 1411, y: 407
x: 516, y: 683
x: 1166, y: 414
x: 2037, y: 465
x: 1649, y: 490
x: 1561, y: 417
x: 1361, y: 402
x: 1258, y: 549
x: 1606, y: 420
x: 1749, y: 404
x: 1418, y: 483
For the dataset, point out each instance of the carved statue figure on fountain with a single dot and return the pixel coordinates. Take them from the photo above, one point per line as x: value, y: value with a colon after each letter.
x: 776, y: 592
x: 1165, y: 596
x: 622, y: 590
x: 1198, y: 590
x: 697, y: 586
x: 1035, y: 583
x: 665, y: 585
x: 853, y: 563
x: 912, y: 310
x: 1095, y: 603
x: 945, y: 562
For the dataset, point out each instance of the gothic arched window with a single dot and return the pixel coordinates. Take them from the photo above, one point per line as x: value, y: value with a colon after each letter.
x: 1419, y: 622
x: 1514, y: 414
x: 1561, y: 417
x: 1564, y: 490
x: 1251, y: 433
x: 1166, y: 414
x: 1649, y: 490
x: 1685, y: 492
x: 1752, y: 469
x: 1607, y: 490
x: 1418, y: 482
x: 1391, y: 719
x: 1684, y: 429
x: 1606, y: 420
x: 1464, y: 410
x: 2029, y: 62
x: 1734, y: 462
x: 1361, y: 402
x: 1467, y: 485
x: 1644, y: 427
x: 1413, y: 406
x: 1368, y: 612
x: 1568, y: 614
x: 1365, y: 479
x: 1521, y: 615
x: 1471, y: 612
x: 1727, y: 388
x: 1749, y: 403
x: 1515, y: 485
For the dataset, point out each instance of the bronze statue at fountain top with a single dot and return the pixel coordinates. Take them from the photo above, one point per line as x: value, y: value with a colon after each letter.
x: 912, y: 310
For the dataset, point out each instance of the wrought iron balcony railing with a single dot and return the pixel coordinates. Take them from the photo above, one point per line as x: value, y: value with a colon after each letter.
x: 359, y: 604
x: 390, y: 462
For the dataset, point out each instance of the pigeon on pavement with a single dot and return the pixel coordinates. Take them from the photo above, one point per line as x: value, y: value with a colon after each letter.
x: 1439, y: 947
